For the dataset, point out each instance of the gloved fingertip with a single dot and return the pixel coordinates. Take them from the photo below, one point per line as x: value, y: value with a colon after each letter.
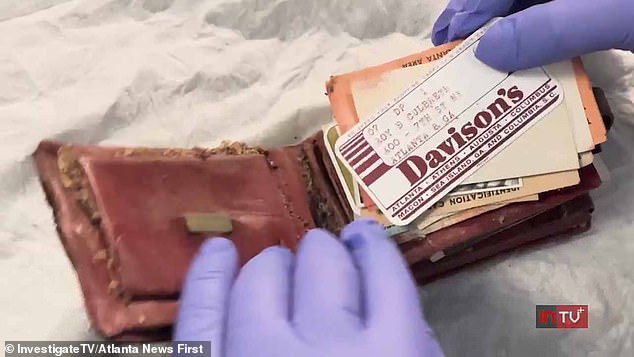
x: 498, y: 47
x: 216, y: 245
x: 277, y: 251
x: 439, y: 37
x: 440, y: 27
x: 316, y: 239
x: 317, y: 234
x: 205, y: 289
x: 267, y: 259
x: 463, y: 24
x: 215, y: 256
x: 459, y: 26
x: 433, y: 349
x: 356, y: 233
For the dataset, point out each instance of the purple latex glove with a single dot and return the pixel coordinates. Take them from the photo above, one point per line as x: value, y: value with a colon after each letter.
x: 537, y: 32
x: 348, y: 298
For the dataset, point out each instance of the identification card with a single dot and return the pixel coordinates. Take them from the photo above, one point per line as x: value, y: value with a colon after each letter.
x: 442, y: 128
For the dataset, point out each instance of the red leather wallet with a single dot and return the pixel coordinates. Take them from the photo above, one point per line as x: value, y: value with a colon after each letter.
x: 119, y: 214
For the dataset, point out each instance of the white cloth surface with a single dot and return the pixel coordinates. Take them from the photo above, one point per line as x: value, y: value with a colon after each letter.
x: 194, y: 72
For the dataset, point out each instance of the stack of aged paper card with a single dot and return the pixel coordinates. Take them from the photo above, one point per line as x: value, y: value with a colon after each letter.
x: 387, y: 117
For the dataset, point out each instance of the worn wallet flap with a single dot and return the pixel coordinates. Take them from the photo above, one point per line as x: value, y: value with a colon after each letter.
x: 110, y: 314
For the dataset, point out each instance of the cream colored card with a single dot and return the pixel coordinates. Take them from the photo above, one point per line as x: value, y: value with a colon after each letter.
x: 452, y: 204
x: 448, y: 206
x: 431, y: 218
x: 532, y: 185
x: 585, y: 158
x: 349, y: 186
x: 459, y: 217
x: 549, y: 146
x: 565, y: 74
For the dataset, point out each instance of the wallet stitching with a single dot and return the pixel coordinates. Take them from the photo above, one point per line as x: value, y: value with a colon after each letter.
x: 300, y: 223
x: 326, y: 213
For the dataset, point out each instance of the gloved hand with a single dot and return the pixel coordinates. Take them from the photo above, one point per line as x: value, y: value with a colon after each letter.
x: 345, y: 298
x: 537, y: 32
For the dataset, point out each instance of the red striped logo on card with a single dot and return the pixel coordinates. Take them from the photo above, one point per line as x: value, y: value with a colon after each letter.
x: 360, y: 155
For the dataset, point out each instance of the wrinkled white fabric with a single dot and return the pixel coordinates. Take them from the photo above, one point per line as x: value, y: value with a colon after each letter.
x: 194, y: 72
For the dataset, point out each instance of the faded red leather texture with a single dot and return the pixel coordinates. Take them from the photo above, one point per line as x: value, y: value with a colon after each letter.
x: 119, y: 214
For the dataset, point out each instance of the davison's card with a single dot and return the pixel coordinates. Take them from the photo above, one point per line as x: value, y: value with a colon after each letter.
x: 442, y: 128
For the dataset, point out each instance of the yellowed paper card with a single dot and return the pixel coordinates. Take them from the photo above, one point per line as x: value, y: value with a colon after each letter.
x: 565, y: 74
x: 448, y: 208
x: 532, y: 185
x: 585, y: 158
x: 350, y: 187
x: 547, y: 147
x: 459, y: 217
